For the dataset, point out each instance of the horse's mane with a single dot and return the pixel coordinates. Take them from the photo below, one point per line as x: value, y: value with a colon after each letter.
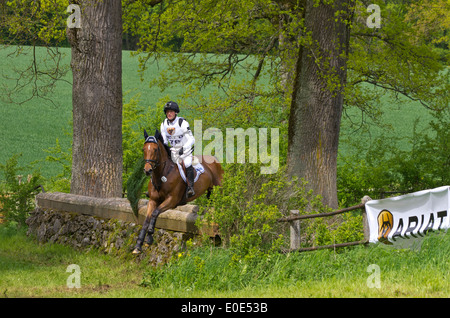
x: 159, y: 137
x: 134, y: 185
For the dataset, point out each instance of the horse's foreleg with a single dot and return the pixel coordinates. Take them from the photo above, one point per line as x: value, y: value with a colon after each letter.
x: 167, y: 204
x: 150, y: 208
x: 151, y: 227
x: 140, y: 240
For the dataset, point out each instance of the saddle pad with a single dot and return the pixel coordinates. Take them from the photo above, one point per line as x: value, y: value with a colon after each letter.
x: 198, y: 167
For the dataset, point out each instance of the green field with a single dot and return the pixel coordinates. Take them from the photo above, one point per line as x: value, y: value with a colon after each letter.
x: 34, y: 126
x: 28, y: 269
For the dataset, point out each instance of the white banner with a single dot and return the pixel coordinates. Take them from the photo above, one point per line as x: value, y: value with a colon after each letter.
x: 408, y: 216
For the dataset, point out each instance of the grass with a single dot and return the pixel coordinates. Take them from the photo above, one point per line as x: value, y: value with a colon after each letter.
x: 28, y: 269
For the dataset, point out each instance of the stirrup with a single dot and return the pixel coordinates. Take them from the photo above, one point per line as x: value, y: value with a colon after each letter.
x: 190, y: 192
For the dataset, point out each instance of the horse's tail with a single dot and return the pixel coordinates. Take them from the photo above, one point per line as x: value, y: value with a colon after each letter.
x: 217, y: 172
x: 134, y: 185
x: 219, y: 175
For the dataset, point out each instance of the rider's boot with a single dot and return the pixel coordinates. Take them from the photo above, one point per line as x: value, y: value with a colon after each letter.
x: 190, y: 181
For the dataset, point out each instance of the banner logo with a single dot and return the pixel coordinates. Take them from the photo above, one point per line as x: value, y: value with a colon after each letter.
x: 385, y: 225
x: 409, y: 216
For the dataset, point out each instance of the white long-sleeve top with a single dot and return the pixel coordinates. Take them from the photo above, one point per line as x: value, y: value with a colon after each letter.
x: 178, y: 134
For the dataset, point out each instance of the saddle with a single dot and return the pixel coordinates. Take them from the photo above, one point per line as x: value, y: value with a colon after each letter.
x: 198, y: 169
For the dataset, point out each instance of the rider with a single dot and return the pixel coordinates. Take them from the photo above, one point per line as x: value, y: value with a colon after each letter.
x: 176, y: 130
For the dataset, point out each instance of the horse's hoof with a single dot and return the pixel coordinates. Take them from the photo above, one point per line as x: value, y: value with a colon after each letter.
x: 148, y: 241
x: 137, y: 251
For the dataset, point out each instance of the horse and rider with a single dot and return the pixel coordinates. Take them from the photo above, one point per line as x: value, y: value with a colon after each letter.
x: 175, y: 130
x: 168, y: 159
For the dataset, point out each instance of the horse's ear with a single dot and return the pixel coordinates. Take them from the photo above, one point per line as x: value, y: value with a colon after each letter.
x: 157, y: 135
x: 145, y: 134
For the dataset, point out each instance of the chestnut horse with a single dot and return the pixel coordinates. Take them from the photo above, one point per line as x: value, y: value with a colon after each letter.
x: 166, y: 188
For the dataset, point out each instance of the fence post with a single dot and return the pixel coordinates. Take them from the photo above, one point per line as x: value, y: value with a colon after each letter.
x: 366, y: 229
x: 295, y: 230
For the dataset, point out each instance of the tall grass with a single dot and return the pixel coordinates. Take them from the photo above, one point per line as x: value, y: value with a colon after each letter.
x: 29, y: 269
x: 325, y: 273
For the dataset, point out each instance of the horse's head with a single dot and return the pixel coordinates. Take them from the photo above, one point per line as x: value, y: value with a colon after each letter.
x: 152, y: 155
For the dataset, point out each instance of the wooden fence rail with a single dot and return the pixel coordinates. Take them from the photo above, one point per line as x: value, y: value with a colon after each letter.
x: 295, y: 217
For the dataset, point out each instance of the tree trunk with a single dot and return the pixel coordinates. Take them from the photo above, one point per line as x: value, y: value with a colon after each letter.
x: 317, y: 99
x: 97, y: 99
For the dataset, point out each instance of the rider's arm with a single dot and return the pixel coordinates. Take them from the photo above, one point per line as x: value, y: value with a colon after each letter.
x: 163, y: 133
x: 190, y: 140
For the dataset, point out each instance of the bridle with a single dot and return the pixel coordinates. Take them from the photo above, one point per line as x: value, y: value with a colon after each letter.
x: 153, y: 163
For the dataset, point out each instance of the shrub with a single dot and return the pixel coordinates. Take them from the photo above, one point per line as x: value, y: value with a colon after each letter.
x: 60, y: 182
x: 17, y: 195
x: 247, y: 205
x: 347, y: 228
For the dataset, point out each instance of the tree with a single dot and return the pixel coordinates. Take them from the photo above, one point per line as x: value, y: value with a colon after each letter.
x: 227, y: 45
x: 97, y: 100
x: 317, y: 101
x: 97, y: 84
x: 334, y: 69
x: 340, y: 62
x: 263, y: 37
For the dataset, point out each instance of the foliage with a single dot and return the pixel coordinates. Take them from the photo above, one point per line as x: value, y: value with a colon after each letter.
x: 17, y: 194
x: 385, y: 166
x: 60, y: 182
x: 348, y: 228
x: 390, y: 59
x: 136, y: 118
x: 229, y: 62
x: 221, y: 41
x: 247, y: 207
x: 135, y: 184
x: 133, y: 122
x: 431, y: 21
x: 427, y: 165
x: 34, y: 22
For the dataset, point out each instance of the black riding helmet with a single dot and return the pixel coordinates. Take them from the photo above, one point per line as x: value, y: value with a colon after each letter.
x: 171, y: 106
